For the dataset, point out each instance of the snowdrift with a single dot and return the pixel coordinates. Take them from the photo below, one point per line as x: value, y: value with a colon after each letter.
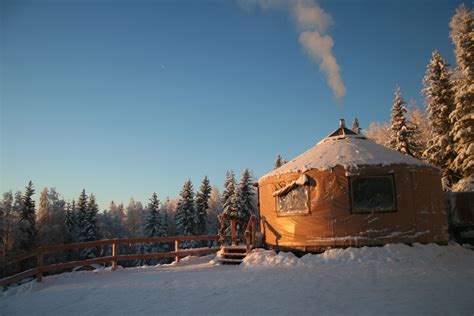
x: 391, y: 253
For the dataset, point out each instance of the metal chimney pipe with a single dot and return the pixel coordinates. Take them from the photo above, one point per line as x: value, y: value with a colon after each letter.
x: 342, y: 123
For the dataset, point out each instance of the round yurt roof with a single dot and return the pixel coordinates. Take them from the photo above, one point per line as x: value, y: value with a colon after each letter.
x: 346, y: 148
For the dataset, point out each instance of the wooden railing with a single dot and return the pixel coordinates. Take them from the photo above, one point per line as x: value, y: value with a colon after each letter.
x: 250, y: 232
x: 41, y: 268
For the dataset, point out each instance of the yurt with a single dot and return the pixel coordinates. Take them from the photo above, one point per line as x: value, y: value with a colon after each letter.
x: 348, y: 191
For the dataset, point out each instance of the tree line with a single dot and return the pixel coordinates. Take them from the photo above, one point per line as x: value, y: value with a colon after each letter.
x: 445, y: 136
x: 24, y: 227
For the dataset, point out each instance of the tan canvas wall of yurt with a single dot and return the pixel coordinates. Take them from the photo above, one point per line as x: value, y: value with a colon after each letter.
x: 349, y: 191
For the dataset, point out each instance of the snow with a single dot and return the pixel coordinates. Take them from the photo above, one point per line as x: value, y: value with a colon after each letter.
x: 464, y: 185
x: 302, y: 180
x: 394, y: 279
x: 349, y: 151
x: 94, y: 266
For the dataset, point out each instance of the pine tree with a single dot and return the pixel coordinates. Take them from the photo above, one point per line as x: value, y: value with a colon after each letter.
x: 439, y: 101
x: 185, y: 217
x: 70, y: 222
x: 245, y: 194
x: 355, y: 126
x: 401, y: 138
x: 90, y: 227
x: 28, y: 231
x: 229, y: 187
x: 462, y: 116
x: 152, y: 226
x: 81, y: 216
x: 230, y: 204
x: 278, y: 162
x: 202, y: 205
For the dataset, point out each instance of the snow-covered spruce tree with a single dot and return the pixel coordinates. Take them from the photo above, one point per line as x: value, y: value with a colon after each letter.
x: 355, y: 126
x: 90, y: 227
x: 185, y: 216
x: 245, y: 199
x: 231, y: 207
x: 70, y: 222
x: 401, y: 136
x: 462, y: 116
x: 229, y: 186
x: 278, y: 162
x: 27, y: 225
x: 202, y: 205
x: 439, y: 101
x: 152, y: 225
x: 230, y: 198
x: 81, y: 216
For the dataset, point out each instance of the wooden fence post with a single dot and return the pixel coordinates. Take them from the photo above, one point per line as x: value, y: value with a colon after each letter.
x: 114, y: 255
x: 39, y: 271
x: 234, y: 232
x: 176, y: 248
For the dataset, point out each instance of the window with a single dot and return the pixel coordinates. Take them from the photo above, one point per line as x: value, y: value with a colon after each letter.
x: 372, y: 194
x: 294, y: 202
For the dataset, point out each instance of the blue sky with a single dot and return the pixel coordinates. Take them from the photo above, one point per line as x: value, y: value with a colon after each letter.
x: 124, y: 98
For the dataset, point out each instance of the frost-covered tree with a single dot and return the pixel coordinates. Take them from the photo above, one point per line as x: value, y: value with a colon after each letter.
x: 168, y: 210
x: 2, y: 229
x: 230, y: 203
x: 379, y: 133
x: 90, y: 227
x: 215, y: 208
x: 462, y: 116
x: 152, y: 226
x: 43, y: 218
x: 81, y: 216
x: 278, y: 162
x: 439, y: 101
x: 28, y: 233
x: 8, y: 225
x: 202, y: 205
x: 401, y: 137
x: 245, y: 199
x: 116, y: 218
x: 185, y: 217
x: 134, y: 219
x: 229, y: 186
x: 70, y: 222
x: 419, y: 118
x: 355, y: 126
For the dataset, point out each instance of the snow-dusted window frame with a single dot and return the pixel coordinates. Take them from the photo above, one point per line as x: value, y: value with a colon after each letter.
x: 372, y: 194
x: 293, y: 199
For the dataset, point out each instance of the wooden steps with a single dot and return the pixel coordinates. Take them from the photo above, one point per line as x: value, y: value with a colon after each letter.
x: 233, y: 254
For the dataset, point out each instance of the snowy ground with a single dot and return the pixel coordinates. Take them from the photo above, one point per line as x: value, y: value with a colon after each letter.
x: 395, y: 279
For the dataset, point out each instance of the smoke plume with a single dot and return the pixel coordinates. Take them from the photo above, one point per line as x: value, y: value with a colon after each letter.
x: 312, y: 23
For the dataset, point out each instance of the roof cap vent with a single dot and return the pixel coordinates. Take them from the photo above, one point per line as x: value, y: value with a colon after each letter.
x: 342, y: 123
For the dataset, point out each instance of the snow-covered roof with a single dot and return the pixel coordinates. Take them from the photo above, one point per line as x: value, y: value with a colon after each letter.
x: 349, y: 150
